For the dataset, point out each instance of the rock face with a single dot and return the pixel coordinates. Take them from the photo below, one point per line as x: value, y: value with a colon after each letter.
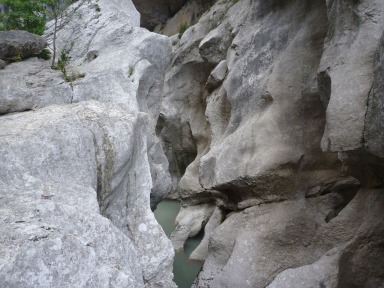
x: 121, y: 63
x: 21, y: 44
x: 2, y: 64
x: 154, y: 12
x: 63, y: 169
x: 79, y: 173
x: 273, y: 110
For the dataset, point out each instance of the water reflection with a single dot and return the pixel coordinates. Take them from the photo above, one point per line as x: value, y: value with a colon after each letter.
x: 184, y: 271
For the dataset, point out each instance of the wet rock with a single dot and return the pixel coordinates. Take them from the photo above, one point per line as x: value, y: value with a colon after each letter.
x: 201, y: 252
x: 190, y: 221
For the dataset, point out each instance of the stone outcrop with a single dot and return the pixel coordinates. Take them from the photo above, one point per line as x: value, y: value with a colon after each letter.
x: 75, y: 185
x: 2, y: 64
x: 273, y: 111
x: 189, y: 222
x: 20, y: 44
x: 80, y: 172
x: 122, y: 63
x: 154, y: 12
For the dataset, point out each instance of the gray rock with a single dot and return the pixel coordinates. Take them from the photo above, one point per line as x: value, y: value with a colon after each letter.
x: 374, y: 119
x: 154, y: 12
x: 32, y: 84
x: 105, y: 51
x: 2, y: 64
x: 189, y: 223
x: 322, y: 273
x: 201, y: 252
x: 257, y: 140
x: 213, y: 48
x: 84, y: 201
x: 217, y: 76
x: 349, y: 58
x: 21, y: 44
x: 251, y: 247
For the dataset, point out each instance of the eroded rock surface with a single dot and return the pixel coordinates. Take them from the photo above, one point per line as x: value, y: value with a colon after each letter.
x: 75, y: 185
x: 20, y: 44
x: 273, y: 110
x: 77, y: 171
x: 120, y: 62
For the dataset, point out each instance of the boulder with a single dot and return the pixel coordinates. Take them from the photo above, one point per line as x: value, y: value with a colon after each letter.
x: 189, y: 223
x: 18, y: 44
x: 75, y: 185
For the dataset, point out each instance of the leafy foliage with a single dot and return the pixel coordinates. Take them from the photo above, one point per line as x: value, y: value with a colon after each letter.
x: 45, y: 54
x: 182, y: 28
x: 24, y: 15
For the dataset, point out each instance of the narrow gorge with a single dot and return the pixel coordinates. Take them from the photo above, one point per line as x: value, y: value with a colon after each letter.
x: 264, y: 119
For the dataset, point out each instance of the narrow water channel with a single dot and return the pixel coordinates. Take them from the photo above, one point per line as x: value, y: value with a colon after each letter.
x: 184, y: 271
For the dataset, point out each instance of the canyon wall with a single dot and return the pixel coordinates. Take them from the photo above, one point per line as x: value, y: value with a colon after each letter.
x: 272, y: 113
x: 80, y: 161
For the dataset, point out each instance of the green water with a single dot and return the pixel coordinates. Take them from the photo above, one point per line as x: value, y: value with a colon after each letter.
x: 184, y: 271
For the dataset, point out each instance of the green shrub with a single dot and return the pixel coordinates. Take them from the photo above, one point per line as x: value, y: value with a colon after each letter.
x: 24, y: 15
x: 131, y: 70
x: 74, y: 75
x: 45, y: 54
x: 97, y: 7
x: 16, y: 58
x: 63, y: 60
x: 182, y: 28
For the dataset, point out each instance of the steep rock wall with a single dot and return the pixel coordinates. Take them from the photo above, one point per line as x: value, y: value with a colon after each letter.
x: 272, y: 111
x: 80, y: 170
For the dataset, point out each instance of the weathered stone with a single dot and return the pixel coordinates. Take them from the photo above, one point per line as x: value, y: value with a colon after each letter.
x: 20, y: 44
x: 217, y: 76
x: 322, y: 273
x: 32, y: 84
x: 190, y: 221
x: 259, y: 134
x: 349, y: 58
x: 121, y: 63
x: 154, y: 12
x: 374, y: 119
x: 187, y: 16
x: 2, y: 64
x: 84, y: 201
x: 213, y: 48
x: 201, y: 252
x: 275, y: 237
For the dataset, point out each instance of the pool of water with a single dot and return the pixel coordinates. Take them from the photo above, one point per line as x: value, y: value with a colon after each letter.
x: 184, y: 271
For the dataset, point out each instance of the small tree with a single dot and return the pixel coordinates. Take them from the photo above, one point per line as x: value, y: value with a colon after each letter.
x: 58, y: 11
x: 24, y: 15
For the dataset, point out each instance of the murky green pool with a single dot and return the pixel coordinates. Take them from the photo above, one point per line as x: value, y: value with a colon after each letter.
x: 184, y: 271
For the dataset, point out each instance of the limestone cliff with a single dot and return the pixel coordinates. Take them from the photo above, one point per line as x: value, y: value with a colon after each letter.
x: 272, y: 112
x: 264, y: 117
x: 81, y: 161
